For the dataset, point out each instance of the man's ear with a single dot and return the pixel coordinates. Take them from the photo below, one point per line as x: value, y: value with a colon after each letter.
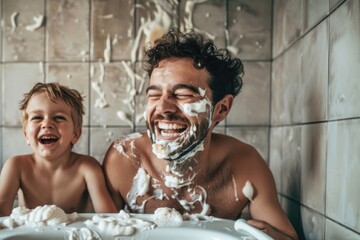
x: 222, y: 108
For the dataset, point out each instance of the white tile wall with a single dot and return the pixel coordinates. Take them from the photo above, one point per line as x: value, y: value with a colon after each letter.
x: 249, y: 29
x: 20, y: 44
x: 336, y: 231
x: 313, y: 224
x: 67, y: 28
x: 288, y: 24
x: 313, y: 166
x: 255, y: 92
x: 344, y: 84
x: 112, y: 18
x: 101, y: 139
x: 255, y: 136
x: 343, y: 167
x: 19, y: 78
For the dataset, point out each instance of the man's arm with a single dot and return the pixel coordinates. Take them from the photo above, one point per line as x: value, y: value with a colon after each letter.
x: 114, y: 178
x: 266, y: 212
x: 9, y: 185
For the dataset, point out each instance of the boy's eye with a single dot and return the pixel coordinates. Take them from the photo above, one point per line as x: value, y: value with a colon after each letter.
x: 35, y: 118
x: 59, y: 118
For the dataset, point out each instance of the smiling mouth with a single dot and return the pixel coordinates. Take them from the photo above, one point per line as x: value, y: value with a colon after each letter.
x: 170, y: 130
x: 48, y: 139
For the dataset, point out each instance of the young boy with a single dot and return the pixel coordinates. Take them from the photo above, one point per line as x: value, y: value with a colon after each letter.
x: 53, y: 174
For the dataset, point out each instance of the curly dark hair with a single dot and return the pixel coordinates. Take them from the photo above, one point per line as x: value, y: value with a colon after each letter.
x: 226, y: 72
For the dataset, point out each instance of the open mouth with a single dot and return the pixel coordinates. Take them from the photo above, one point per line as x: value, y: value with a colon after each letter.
x: 171, y: 130
x: 48, y: 139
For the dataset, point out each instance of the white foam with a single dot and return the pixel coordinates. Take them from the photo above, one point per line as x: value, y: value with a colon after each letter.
x: 39, y: 216
x: 167, y: 217
x: 248, y: 191
x: 121, y: 224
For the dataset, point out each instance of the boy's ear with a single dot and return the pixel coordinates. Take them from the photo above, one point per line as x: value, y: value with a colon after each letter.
x: 26, y: 138
x: 76, y: 136
x: 222, y: 108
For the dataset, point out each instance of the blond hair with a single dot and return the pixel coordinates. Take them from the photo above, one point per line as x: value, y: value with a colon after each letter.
x: 56, y: 92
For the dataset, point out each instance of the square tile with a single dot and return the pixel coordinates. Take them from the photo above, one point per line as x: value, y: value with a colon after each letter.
x: 255, y: 136
x: 73, y: 75
x: 255, y: 92
x: 313, y: 224
x: 23, y: 30
x: 286, y: 92
x: 11, y: 135
x: 140, y: 99
x: 112, y: 94
x: 102, y: 138
x: 153, y: 19
x: 314, y: 12
x: 82, y: 146
x: 288, y: 24
x: 19, y: 78
x: 207, y: 17
x: 336, y: 231
x: 343, y: 167
x: 292, y: 210
x: 275, y: 155
x: 67, y: 30
x: 313, y: 165
x: 290, y: 164
x: 1, y: 91
x: 335, y: 3
x: 344, y: 62
x: 315, y: 66
x: 112, y: 29
x: 250, y: 29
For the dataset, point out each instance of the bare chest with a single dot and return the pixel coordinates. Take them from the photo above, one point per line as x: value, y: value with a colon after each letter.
x: 219, y: 199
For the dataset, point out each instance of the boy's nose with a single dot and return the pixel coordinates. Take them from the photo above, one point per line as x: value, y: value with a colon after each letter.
x: 47, y: 123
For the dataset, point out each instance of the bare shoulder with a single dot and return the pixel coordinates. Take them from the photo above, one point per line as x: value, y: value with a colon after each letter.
x: 236, y: 150
x: 126, y: 150
x: 85, y: 161
x: 122, y: 160
x: 19, y: 162
x: 243, y: 159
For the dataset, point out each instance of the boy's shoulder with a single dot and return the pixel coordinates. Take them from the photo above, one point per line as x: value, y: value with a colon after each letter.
x: 83, y: 159
x: 18, y: 163
x: 26, y: 158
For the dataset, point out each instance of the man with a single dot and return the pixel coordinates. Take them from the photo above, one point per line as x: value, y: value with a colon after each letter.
x: 180, y: 163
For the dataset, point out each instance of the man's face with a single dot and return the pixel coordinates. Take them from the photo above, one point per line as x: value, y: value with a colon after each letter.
x: 178, y: 112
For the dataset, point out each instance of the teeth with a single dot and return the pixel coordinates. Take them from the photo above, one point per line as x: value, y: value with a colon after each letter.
x: 46, y: 137
x: 171, y: 126
x: 165, y: 134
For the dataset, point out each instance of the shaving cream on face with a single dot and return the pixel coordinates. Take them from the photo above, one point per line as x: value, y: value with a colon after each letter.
x: 190, y: 142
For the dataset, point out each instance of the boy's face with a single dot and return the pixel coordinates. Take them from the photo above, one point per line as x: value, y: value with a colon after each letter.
x: 49, y: 128
x: 179, y: 109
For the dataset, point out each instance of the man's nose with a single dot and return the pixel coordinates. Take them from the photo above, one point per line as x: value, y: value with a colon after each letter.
x: 167, y: 104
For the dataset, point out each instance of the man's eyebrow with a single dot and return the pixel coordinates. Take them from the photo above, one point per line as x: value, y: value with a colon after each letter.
x: 187, y: 86
x: 152, y: 87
